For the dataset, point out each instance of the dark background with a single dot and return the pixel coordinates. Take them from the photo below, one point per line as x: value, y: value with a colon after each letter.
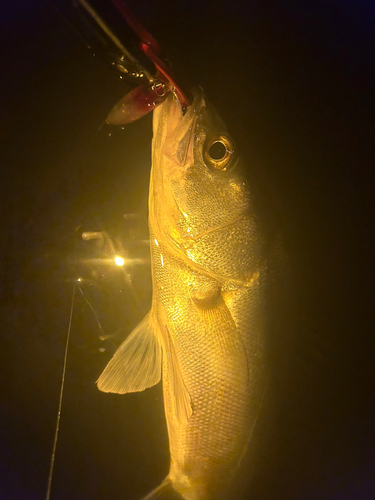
x: 294, y: 82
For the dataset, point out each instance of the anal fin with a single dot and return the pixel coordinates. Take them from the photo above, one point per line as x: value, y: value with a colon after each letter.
x: 136, y: 364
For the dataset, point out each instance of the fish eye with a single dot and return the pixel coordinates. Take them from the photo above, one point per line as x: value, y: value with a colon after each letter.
x: 219, y: 152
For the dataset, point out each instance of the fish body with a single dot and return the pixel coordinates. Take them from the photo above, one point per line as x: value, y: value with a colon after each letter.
x: 205, y: 330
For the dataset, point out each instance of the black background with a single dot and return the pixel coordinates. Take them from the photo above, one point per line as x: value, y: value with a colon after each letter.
x: 294, y: 82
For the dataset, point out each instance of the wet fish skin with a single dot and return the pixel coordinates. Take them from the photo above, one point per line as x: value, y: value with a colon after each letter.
x: 206, y: 325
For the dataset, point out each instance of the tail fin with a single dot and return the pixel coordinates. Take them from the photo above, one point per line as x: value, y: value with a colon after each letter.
x: 164, y: 491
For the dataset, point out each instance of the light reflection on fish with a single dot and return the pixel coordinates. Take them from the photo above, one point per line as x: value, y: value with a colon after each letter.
x: 205, y: 330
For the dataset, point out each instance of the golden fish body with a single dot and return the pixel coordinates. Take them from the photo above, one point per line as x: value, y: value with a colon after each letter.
x: 205, y: 328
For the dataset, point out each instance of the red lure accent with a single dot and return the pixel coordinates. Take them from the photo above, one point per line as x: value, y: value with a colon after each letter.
x: 138, y: 103
x: 152, y: 50
x: 165, y: 75
x: 136, y: 26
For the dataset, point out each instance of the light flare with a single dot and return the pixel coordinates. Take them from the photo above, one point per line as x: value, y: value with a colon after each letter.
x: 119, y: 261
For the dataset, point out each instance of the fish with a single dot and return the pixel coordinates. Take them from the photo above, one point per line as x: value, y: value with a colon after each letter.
x: 204, y: 334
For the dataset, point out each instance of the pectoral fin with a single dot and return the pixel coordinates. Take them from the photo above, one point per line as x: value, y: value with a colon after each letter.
x: 136, y: 364
x: 217, y: 319
x: 183, y: 405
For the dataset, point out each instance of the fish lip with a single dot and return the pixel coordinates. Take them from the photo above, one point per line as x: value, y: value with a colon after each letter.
x: 195, y: 108
x: 198, y: 101
x: 179, y: 143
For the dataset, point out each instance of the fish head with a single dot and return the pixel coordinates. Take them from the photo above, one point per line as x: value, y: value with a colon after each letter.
x: 196, y: 184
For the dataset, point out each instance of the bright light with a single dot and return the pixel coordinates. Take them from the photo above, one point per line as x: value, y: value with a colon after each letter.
x: 119, y: 261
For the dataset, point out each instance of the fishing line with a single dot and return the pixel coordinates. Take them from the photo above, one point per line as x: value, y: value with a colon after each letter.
x: 93, y: 311
x: 52, y: 463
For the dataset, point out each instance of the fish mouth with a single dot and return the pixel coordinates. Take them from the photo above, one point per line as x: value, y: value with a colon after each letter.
x: 173, y: 155
x: 179, y: 128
